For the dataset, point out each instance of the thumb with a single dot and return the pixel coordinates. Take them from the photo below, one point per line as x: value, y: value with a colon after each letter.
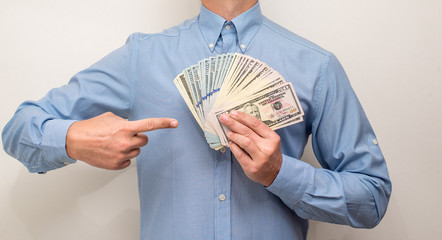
x: 150, y: 124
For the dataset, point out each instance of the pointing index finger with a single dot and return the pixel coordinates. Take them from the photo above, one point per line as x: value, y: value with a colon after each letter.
x: 149, y: 124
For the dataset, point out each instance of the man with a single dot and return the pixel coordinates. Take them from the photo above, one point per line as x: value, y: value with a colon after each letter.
x: 258, y: 188
x: 252, y: 110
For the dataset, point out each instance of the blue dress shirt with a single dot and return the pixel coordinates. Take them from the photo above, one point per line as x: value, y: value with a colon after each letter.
x: 189, y: 191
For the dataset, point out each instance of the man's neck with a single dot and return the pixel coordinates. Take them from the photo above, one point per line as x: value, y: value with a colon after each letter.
x: 228, y: 9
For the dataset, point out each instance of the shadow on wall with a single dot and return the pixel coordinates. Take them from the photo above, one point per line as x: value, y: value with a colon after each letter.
x: 89, y: 199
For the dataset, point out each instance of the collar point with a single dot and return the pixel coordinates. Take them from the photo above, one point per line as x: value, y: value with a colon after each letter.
x: 243, y: 48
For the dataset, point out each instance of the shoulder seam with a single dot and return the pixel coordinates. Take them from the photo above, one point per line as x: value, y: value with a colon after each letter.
x: 318, y: 92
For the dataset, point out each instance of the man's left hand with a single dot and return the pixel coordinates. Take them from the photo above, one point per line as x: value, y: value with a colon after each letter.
x: 256, y: 146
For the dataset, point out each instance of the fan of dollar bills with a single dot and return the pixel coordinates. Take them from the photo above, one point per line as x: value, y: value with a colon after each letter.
x: 227, y: 82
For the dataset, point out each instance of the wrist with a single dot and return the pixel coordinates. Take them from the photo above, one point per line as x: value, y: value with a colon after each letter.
x: 274, y: 172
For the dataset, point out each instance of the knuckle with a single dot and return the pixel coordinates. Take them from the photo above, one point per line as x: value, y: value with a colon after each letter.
x: 121, y: 158
x: 113, y: 165
x: 148, y: 125
x: 125, y: 164
x: 144, y: 140
x: 255, y: 123
x: 239, y: 154
x: 116, y: 164
x: 271, y: 146
x: 247, y: 142
x: 124, y: 128
x: 266, y: 149
x: 276, y: 138
x: 123, y: 146
x: 117, y: 158
x: 247, y: 133
x: 135, y: 152
x: 109, y: 115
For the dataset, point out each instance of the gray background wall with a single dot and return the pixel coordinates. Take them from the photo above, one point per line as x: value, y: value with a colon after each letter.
x: 390, y: 50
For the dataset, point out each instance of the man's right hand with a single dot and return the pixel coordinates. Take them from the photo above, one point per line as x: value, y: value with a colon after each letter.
x: 110, y: 142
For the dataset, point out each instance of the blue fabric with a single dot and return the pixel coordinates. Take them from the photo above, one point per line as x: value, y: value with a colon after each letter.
x: 180, y: 177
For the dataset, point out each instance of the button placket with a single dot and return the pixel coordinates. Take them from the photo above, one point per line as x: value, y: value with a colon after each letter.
x: 222, y: 198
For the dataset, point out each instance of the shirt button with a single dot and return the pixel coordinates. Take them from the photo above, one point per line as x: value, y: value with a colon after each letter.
x: 375, y: 142
x: 223, y: 150
x: 222, y: 197
x: 228, y: 27
x: 211, y: 45
x: 243, y: 46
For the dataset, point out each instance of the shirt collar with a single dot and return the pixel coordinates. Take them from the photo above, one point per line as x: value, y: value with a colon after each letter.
x: 246, y: 24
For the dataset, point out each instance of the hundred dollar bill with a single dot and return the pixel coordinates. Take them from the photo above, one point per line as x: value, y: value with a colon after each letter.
x: 277, y: 107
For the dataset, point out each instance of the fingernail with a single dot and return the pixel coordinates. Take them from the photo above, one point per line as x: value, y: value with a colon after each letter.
x: 229, y: 134
x: 234, y: 113
x: 224, y: 118
x: 174, y: 123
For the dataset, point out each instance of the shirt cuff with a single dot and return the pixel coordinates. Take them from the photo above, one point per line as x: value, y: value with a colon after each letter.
x: 54, y: 143
x: 293, y: 179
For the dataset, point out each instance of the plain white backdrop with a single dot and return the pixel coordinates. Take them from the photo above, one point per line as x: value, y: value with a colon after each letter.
x: 391, y: 51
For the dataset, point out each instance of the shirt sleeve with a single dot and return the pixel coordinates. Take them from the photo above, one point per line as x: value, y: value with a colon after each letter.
x: 36, y: 135
x: 353, y: 187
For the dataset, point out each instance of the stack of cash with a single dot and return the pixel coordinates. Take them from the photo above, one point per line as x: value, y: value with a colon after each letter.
x: 227, y: 82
